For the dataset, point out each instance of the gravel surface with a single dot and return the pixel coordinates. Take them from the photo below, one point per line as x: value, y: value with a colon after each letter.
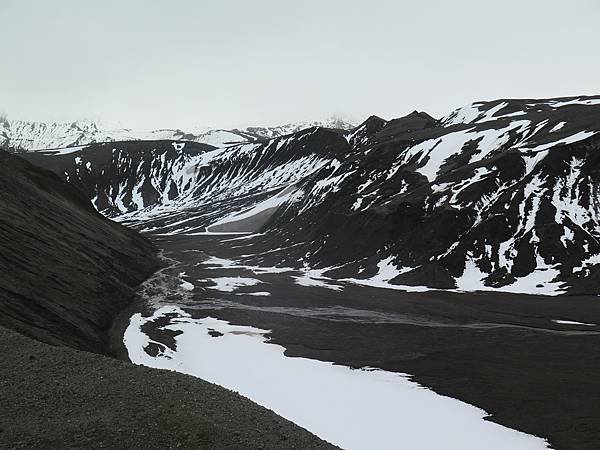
x: 57, y: 397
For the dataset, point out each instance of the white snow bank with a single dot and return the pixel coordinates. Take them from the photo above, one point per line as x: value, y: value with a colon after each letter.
x: 388, y: 271
x: 472, y: 278
x: 230, y: 284
x: 572, y: 322
x: 208, y: 233
x: 186, y: 286
x: 314, y: 277
x: 256, y: 294
x: 539, y: 282
x: 354, y: 409
x: 270, y: 203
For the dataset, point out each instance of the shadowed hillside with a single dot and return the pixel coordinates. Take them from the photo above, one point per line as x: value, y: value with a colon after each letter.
x: 66, y: 271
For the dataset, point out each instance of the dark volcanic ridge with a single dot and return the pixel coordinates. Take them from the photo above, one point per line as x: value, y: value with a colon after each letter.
x: 497, y: 195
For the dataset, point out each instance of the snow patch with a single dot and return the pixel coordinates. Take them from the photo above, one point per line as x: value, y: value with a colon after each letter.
x: 572, y: 322
x: 314, y: 277
x: 256, y: 294
x: 540, y: 281
x: 354, y: 409
x: 387, y: 272
x: 271, y: 203
x: 230, y: 284
x: 186, y: 286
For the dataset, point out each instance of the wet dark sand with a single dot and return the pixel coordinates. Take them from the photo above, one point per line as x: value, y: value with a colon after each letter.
x: 501, y: 352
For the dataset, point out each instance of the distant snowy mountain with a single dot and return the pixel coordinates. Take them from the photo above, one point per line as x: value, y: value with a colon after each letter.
x: 500, y: 195
x: 273, y: 132
x: 33, y: 136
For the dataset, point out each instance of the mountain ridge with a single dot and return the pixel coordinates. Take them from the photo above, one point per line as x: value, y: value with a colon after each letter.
x: 19, y: 135
x: 456, y: 203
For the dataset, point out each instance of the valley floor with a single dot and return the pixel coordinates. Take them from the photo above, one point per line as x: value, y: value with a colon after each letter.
x: 532, y: 362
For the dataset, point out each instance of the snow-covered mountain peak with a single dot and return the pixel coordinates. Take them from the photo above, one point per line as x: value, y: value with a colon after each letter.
x: 31, y: 136
x: 282, y: 130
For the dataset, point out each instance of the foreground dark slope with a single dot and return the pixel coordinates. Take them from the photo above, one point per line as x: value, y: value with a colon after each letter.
x: 57, y: 397
x: 66, y: 271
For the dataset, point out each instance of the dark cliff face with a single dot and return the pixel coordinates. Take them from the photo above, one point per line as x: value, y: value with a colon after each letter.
x: 65, y: 270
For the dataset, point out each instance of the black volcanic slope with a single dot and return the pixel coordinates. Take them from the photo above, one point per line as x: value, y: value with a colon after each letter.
x: 57, y: 397
x: 66, y: 271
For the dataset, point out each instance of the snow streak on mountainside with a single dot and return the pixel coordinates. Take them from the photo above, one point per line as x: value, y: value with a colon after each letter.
x: 499, y: 195
x: 30, y: 136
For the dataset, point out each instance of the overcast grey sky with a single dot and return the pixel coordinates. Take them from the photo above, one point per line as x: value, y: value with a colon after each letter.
x: 149, y: 64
